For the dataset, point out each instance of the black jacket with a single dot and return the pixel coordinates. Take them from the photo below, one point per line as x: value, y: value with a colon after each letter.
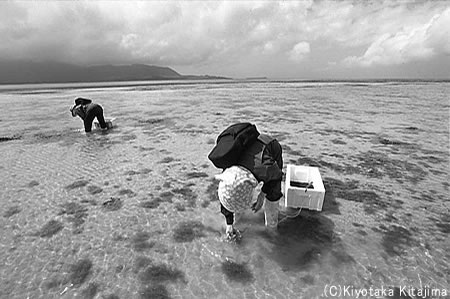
x: 264, y: 159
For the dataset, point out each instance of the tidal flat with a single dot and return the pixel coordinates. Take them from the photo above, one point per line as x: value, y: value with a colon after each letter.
x: 133, y: 212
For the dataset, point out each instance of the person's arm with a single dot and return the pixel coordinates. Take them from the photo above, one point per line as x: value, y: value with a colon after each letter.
x: 78, y: 110
x: 273, y: 163
x: 270, y: 168
x: 272, y: 189
x: 257, y: 205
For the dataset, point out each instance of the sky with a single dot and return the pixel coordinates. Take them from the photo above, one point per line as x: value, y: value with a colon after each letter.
x: 239, y: 39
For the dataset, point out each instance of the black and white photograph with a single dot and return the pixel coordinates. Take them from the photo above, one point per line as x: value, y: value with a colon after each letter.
x: 274, y: 149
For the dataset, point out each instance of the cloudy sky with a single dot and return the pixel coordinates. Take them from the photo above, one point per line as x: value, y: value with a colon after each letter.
x: 277, y: 39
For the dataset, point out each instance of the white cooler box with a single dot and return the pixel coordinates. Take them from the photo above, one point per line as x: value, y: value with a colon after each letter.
x: 109, y: 123
x: 304, y: 187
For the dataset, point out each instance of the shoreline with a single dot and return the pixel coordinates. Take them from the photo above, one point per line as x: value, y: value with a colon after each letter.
x: 8, y: 87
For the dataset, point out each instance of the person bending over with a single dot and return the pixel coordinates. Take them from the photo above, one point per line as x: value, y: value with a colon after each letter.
x: 261, y: 162
x: 87, y: 111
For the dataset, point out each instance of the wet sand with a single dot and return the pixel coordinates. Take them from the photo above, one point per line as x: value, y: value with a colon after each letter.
x: 133, y: 212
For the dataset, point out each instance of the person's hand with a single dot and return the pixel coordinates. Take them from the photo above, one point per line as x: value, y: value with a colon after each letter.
x: 232, y: 234
x: 229, y: 230
x: 259, y: 202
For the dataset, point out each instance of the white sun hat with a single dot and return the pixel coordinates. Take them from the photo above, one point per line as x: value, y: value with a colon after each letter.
x: 236, y: 188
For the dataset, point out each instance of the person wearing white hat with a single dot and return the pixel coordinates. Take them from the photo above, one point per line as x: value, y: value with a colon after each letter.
x: 261, y: 162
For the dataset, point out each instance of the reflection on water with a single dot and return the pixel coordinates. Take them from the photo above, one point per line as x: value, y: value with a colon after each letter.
x: 133, y: 212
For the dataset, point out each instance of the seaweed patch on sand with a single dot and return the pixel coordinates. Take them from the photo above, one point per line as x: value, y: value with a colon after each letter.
x: 161, y: 273
x: 55, y: 282
x: 211, y: 190
x: 179, y: 207
x: 443, y: 224
x: 373, y: 165
x: 128, y: 137
x: 33, y: 184
x: 340, y: 257
x: 128, y: 192
x: 187, y: 231
x: 77, y: 184
x: 151, y: 121
x: 166, y: 196
x: 141, y: 262
x: 341, y: 167
x: 307, y: 279
x: 194, y: 175
x: 113, y: 204
x: 90, y: 291
x: 188, y: 195
x: 369, y: 197
x: 10, y: 138
x: 50, y: 229
x: 205, y: 203
x: 166, y: 160
x: 304, y: 241
x: 92, y: 189
x: 426, y: 196
x: 388, y: 141
x: 48, y: 137
x: 80, y: 271
x: 134, y: 172
x: 338, y: 141
x: 338, y: 187
x: 361, y: 232
x: 378, y: 165
x: 12, y: 211
x: 151, y: 204
x: 237, y: 272
x: 154, y: 292
x: 145, y: 171
x: 145, y: 149
x: 76, y: 215
x: 330, y: 205
x: 140, y: 241
x: 350, y: 191
x: 131, y: 172
x: 307, y: 161
x: 396, y: 239
x: 289, y: 151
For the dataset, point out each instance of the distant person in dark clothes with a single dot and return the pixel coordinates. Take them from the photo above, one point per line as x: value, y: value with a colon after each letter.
x: 87, y: 111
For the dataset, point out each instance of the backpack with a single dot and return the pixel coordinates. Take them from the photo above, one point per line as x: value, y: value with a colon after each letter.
x: 231, y: 143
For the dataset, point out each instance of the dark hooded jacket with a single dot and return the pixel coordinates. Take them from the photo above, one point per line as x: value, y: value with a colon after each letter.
x: 264, y: 159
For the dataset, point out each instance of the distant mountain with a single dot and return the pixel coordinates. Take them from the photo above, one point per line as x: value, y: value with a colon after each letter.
x: 55, y: 72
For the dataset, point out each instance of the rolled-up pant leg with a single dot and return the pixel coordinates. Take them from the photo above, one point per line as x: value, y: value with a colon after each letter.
x: 271, y: 213
x: 229, y: 216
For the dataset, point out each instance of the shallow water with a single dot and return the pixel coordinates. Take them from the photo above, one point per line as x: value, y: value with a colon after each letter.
x: 133, y: 212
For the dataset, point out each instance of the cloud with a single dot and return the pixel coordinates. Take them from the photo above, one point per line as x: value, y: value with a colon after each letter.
x: 299, y: 52
x: 416, y: 42
x: 438, y: 36
x: 225, y: 35
x: 177, y: 32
